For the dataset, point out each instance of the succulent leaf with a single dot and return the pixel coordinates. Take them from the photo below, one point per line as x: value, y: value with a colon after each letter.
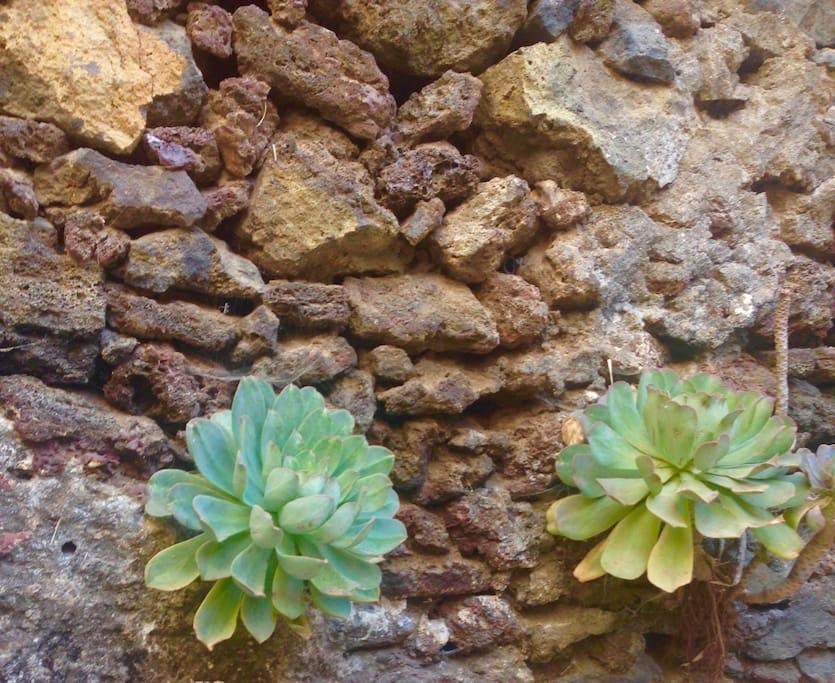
x: 670, y: 456
x: 293, y: 510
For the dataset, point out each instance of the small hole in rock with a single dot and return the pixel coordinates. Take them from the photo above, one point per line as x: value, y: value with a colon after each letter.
x: 68, y: 548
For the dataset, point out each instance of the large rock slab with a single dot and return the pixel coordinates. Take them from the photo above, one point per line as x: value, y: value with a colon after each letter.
x: 314, y: 215
x: 85, y: 67
x: 421, y: 38
x: 190, y: 260
x: 311, y: 65
x: 52, y: 310
x: 127, y: 196
x: 555, y: 112
x: 420, y: 312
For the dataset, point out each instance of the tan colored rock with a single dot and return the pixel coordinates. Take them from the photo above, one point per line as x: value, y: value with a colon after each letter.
x: 85, y: 67
x: 806, y: 219
x: 306, y: 360
x: 497, y: 221
x: 535, y: 118
x: 450, y: 475
x: 127, y: 196
x: 425, y: 219
x: 439, y: 387
x: 552, y: 631
x: 354, y: 392
x: 481, y: 622
x: 190, y: 260
x: 517, y: 307
x: 308, y: 304
x: 720, y: 51
x: 258, y: 335
x: 443, y: 107
x: 592, y: 20
x: 314, y: 216
x: 678, y: 18
x: 559, y: 208
x: 311, y: 65
x: 428, y: 37
x: 420, y: 312
x: 390, y: 364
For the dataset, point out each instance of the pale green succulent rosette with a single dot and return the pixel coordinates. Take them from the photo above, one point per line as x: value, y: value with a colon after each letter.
x: 671, y: 458
x: 291, y: 507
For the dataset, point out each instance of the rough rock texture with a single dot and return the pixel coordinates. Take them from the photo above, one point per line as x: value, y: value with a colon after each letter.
x: 499, y: 219
x: 116, y: 70
x: 126, y: 196
x: 53, y: 307
x: 314, y: 215
x: 420, y: 312
x: 311, y: 65
x: 422, y: 38
x: 193, y: 261
x: 535, y: 120
x: 463, y: 273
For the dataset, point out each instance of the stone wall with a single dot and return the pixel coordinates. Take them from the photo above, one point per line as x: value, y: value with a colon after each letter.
x: 450, y: 218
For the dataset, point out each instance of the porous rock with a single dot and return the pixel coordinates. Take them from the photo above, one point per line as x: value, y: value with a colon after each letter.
x: 430, y: 170
x: 390, y: 364
x: 480, y: 622
x: 475, y: 237
x: 311, y: 65
x: 127, y: 196
x: 53, y: 308
x: 677, y: 18
x: 451, y: 474
x: 117, y: 70
x: 426, y: 530
x: 308, y: 304
x: 431, y: 576
x: 533, y: 118
x: 592, y: 20
x: 636, y: 47
x: 17, y: 194
x: 422, y: 38
x: 258, y: 335
x: 209, y: 27
x: 224, y: 201
x: 306, y: 360
x: 31, y: 140
x: 552, y: 630
x: 193, y: 150
x: 420, y: 312
x: 425, y: 219
x: 559, y: 208
x: 354, y: 392
x: 517, y: 307
x: 313, y: 215
x: 162, y: 383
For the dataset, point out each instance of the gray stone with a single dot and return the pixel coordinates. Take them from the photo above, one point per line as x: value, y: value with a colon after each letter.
x: 817, y: 664
x: 547, y: 20
x: 636, y: 47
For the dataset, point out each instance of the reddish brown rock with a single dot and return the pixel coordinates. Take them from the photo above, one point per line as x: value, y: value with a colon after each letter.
x: 431, y: 170
x: 192, y: 150
x: 306, y: 360
x: 127, y: 196
x: 426, y: 218
x: 87, y: 239
x: 288, y: 13
x: 197, y: 326
x: 390, y: 364
x: 517, y: 307
x: 440, y: 109
x: 420, y: 312
x: 487, y: 522
x: 243, y: 120
x: 31, y: 141
x: 815, y: 365
x: 480, y: 622
x: 438, y: 387
x: 525, y: 451
x: 308, y: 304
x: 354, y: 391
x: 17, y: 195
x: 412, y: 443
x: 559, y: 208
x: 313, y: 215
x: 678, y: 18
x: 225, y: 201
x: 426, y: 530
x: 450, y: 475
x: 499, y: 220
x: 311, y: 65
x: 258, y: 335
x: 162, y: 383
x: 190, y: 260
x: 150, y: 12
x: 433, y: 577
x: 53, y: 308
x: 592, y: 20
x: 209, y: 28
x: 549, y: 580
x: 60, y: 426
x: 116, y: 348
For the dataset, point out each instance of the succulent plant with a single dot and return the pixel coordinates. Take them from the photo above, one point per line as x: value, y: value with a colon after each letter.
x: 670, y: 459
x: 290, y: 506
